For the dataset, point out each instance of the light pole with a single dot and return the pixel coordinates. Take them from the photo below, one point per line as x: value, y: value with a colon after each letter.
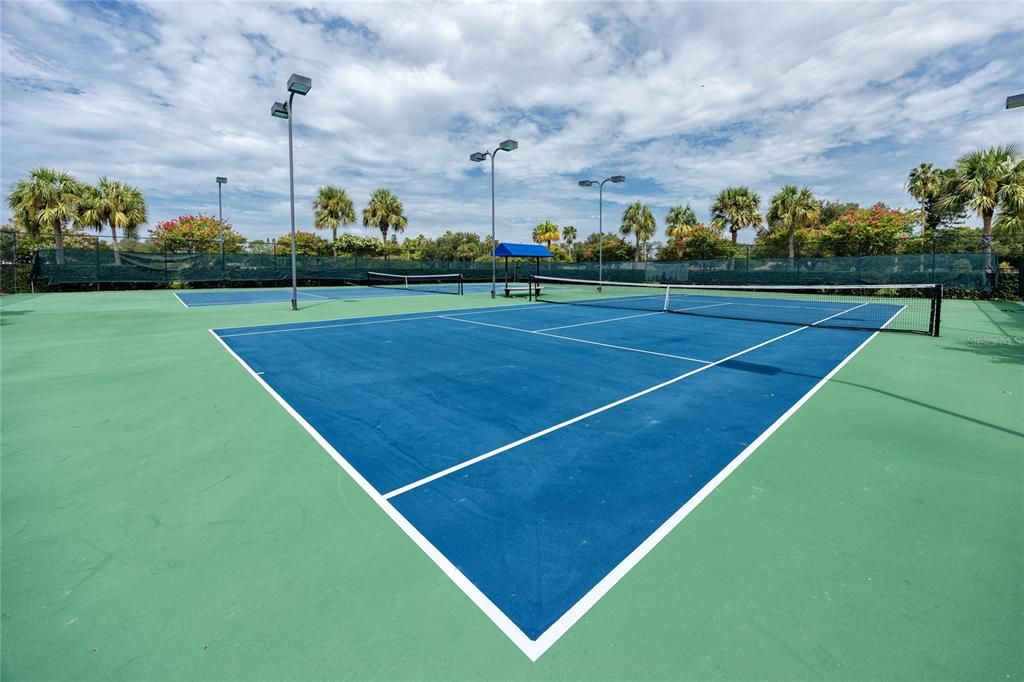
x: 506, y: 146
x: 297, y: 85
x: 600, y: 218
x: 220, y: 215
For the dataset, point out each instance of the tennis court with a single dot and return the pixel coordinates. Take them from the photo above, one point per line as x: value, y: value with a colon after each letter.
x: 384, y: 285
x: 550, y: 447
x: 586, y: 487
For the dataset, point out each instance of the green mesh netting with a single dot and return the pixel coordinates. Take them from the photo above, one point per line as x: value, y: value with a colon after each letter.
x: 956, y: 271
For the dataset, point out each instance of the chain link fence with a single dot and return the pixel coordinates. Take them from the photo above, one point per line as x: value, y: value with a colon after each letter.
x: 150, y: 264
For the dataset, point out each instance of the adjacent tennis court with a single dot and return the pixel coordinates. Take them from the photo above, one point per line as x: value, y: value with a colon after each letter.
x: 379, y: 285
x: 536, y: 453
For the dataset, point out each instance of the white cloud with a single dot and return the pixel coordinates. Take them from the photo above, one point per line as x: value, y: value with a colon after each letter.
x: 682, y: 98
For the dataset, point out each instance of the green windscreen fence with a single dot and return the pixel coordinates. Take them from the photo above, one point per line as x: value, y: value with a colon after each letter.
x: 100, y: 266
x: 955, y: 271
x: 952, y: 270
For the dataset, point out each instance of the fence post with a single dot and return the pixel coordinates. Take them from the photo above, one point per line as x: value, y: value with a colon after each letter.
x: 14, y: 259
x: 97, y: 246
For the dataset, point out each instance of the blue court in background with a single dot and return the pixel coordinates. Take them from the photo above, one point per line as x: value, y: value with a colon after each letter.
x: 215, y: 297
x: 537, y: 446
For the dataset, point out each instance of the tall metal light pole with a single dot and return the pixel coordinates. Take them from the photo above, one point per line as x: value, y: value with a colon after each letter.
x: 506, y: 146
x: 220, y: 215
x: 600, y: 217
x: 297, y: 85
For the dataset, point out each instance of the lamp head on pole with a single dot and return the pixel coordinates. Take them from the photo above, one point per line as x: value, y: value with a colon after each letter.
x: 279, y: 110
x: 477, y: 156
x: 221, y: 180
x: 508, y: 146
x: 299, y: 85
x: 618, y: 178
x: 586, y: 183
x: 1015, y: 101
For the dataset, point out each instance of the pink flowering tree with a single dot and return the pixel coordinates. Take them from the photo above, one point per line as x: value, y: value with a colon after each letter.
x: 195, y: 234
x: 697, y: 242
x: 869, y: 231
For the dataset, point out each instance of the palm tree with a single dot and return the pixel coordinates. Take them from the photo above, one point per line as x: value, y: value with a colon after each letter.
x: 736, y: 208
x: 1011, y: 208
x: 545, y: 233
x: 384, y: 212
x: 569, y: 235
x: 125, y: 209
x: 638, y: 221
x: 46, y: 198
x: 332, y: 208
x: 115, y: 204
x: 679, y: 219
x: 924, y: 183
x: 793, y: 209
x: 985, y: 179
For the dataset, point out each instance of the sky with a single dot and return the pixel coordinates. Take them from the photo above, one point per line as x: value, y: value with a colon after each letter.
x: 681, y: 98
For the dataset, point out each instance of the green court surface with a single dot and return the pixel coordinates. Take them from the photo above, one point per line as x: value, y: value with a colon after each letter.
x: 164, y: 518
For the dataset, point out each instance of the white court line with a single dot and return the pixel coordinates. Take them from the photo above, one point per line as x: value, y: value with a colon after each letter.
x: 587, y: 601
x: 578, y: 418
x: 584, y: 324
x: 497, y: 616
x: 306, y: 293
x: 534, y: 649
x: 328, y: 326
x: 815, y: 324
x: 699, y: 307
x: 573, y: 338
x: 405, y: 318
x: 175, y: 293
x: 349, y: 296
x: 591, y: 413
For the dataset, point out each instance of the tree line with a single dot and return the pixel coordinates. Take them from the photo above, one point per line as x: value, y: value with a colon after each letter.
x: 48, y: 200
x: 988, y: 182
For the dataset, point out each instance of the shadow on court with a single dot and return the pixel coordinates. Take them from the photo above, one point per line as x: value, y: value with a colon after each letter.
x: 948, y: 413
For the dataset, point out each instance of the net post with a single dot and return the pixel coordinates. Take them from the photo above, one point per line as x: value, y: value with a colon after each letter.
x: 936, y: 309
x: 668, y: 291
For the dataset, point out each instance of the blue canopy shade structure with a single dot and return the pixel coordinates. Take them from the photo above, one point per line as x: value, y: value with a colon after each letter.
x: 522, y: 251
x: 534, y: 251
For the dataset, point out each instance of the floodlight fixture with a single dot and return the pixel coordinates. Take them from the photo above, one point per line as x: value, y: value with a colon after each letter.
x: 476, y: 157
x: 1015, y: 101
x: 299, y: 85
x: 600, y: 219
x: 221, y: 180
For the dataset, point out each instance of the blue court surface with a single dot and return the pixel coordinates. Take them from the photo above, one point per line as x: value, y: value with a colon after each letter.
x: 216, y: 297
x: 537, y: 452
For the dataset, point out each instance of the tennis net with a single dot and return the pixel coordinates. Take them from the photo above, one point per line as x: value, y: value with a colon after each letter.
x: 436, y: 284
x: 905, y: 308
